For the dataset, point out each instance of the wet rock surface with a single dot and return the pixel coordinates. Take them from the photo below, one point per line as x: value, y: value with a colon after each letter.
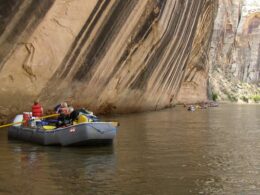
x: 109, y: 56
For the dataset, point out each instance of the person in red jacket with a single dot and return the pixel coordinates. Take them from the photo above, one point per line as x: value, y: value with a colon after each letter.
x: 37, y: 110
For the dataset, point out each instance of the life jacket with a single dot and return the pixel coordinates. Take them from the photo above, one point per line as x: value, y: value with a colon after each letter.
x: 37, y: 110
x: 82, y: 118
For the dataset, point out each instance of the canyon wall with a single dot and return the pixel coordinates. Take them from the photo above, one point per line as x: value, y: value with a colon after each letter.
x: 108, y: 56
x: 234, y: 56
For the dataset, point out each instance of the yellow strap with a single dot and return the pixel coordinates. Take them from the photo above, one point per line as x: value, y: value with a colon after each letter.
x: 115, y: 124
x: 49, y: 127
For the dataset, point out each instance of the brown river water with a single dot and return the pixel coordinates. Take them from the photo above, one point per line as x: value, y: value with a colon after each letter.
x: 173, y: 151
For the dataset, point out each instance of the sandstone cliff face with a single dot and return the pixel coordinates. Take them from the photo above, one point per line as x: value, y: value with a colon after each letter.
x: 195, y: 81
x: 235, y: 50
x: 110, y: 56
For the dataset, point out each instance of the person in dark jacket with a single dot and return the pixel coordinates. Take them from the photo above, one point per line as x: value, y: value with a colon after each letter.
x: 63, y: 108
x: 64, y: 118
x: 37, y: 110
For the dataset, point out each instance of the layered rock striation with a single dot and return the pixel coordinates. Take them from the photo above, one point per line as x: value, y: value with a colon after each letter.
x: 109, y: 56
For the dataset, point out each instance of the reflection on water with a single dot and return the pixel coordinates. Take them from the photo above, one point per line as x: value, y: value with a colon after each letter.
x: 212, y: 151
x: 48, y: 170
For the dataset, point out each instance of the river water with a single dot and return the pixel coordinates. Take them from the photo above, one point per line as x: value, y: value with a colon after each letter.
x: 173, y: 151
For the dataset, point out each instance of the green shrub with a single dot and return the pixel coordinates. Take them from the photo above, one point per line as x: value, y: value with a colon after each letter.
x: 214, y: 96
x: 244, y: 98
x: 232, y: 98
x: 256, y: 98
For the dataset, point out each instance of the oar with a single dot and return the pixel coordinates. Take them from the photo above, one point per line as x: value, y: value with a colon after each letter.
x: 49, y: 116
x: 10, y: 124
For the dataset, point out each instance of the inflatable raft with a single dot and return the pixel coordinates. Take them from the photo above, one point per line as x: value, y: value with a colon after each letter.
x: 88, y: 133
